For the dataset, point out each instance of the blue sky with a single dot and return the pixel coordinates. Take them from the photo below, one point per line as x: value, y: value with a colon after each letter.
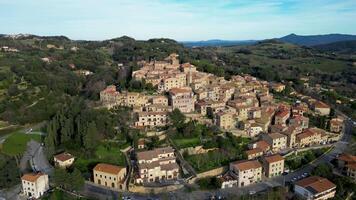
x: 177, y: 19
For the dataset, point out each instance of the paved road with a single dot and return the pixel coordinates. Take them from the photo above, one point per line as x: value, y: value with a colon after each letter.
x: 35, y: 155
x: 339, y: 147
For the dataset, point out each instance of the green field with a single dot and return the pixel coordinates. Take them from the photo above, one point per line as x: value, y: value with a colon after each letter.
x: 187, y: 142
x: 103, y: 154
x: 16, y: 143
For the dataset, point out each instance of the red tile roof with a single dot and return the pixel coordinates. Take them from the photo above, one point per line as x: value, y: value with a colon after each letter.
x: 63, y: 156
x: 316, y: 184
x: 31, y: 177
x: 273, y: 158
x: 107, y: 168
x: 246, y: 165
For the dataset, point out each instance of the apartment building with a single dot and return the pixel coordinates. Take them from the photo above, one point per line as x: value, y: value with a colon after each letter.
x: 63, y: 160
x: 273, y: 165
x: 315, y: 188
x: 155, y: 165
x: 110, y: 97
x: 182, y: 98
x: 321, y: 108
x: 225, y: 120
x: 248, y: 172
x: 160, y: 100
x: 151, y: 119
x: 175, y: 80
x: 253, y: 153
x: 336, y: 125
x: 110, y: 175
x: 276, y: 140
x: 281, y: 117
x: 299, y: 120
x: 291, y: 133
x: 34, y: 185
x: 351, y: 171
x: 133, y: 99
x: 308, y: 137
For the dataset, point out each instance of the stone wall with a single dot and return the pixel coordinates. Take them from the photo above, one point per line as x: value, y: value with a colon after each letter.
x: 196, y: 150
x: 154, y: 190
x: 210, y: 173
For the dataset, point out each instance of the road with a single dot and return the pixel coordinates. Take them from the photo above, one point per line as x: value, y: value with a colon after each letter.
x: 35, y: 155
x: 339, y: 147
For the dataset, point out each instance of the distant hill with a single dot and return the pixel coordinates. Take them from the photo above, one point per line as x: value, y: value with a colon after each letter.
x: 339, y: 47
x: 214, y: 43
x: 312, y: 40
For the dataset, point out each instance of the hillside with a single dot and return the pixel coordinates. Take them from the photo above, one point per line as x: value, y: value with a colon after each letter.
x: 344, y: 47
x: 33, y: 89
x: 312, y: 40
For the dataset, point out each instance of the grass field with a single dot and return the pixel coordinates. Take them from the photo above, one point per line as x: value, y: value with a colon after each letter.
x: 16, y: 143
x: 187, y: 142
x: 104, y: 153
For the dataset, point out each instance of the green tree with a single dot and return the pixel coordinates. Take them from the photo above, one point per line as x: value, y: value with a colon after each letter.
x: 177, y: 118
x: 91, y: 136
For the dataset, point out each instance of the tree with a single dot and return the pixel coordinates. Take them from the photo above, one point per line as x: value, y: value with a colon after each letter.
x: 77, y: 180
x: 324, y: 170
x: 91, y: 136
x: 177, y: 118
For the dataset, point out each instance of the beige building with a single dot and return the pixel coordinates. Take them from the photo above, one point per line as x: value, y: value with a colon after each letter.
x: 155, y: 165
x: 273, y: 165
x: 225, y: 120
x: 336, y: 125
x: 281, y: 117
x: 248, y: 172
x: 110, y: 97
x: 182, y: 98
x: 175, y: 80
x: 151, y: 119
x: 276, y: 140
x: 63, y: 160
x: 109, y: 175
x: 351, y: 171
x: 160, y: 100
x: 309, y: 137
x: 321, y: 108
x: 253, y: 153
x: 34, y: 185
x: 315, y: 188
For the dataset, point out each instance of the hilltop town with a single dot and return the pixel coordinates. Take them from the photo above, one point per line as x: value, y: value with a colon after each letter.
x: 165, y: 127
x: 240, y: 114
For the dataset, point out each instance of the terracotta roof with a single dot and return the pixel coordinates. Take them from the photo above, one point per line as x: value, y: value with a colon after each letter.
x: 107, y: 168
x: 276, y: 135
x: 316, y: 184
x: 306, y: 133
x: 180, y: 90
x: 141, y: 141
x: 149, y: 155
x: 273, y: 158
x: 351, y: 166
x: 63, y: 156
x: 246, y: 165
x: 31, y: 177
x: 262, y: 144
x: 283, y: 113
x: 253, y: 151
x: 347, y: 158
x: 320, y: 104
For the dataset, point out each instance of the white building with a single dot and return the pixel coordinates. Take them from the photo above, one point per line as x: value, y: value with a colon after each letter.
x: 315, y: 188
x: 34, y: 185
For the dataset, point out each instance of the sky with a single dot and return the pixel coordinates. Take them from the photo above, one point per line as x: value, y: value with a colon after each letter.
x: 182, y: 20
